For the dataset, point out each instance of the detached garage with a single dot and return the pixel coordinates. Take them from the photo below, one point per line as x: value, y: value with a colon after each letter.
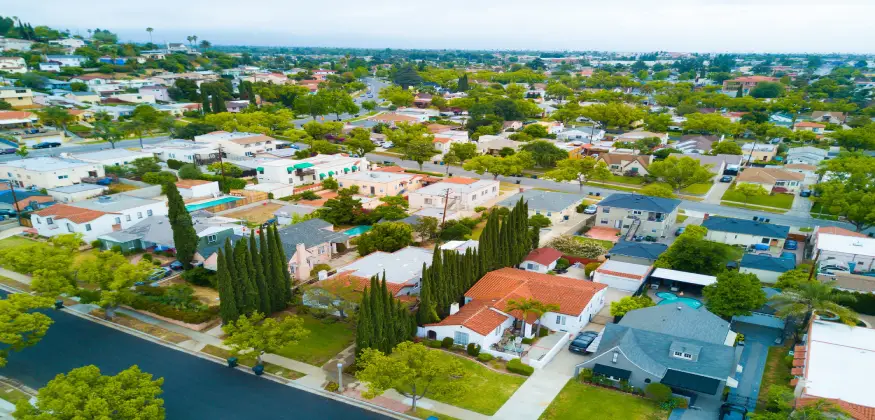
x: 622, y: 275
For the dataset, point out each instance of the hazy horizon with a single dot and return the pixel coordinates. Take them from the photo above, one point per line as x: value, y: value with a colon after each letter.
x: 738, y: 26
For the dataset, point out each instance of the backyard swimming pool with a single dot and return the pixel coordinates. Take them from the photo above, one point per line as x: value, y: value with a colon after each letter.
x: 668, y: 298
x: 358, y: 230
x: 207, y: 204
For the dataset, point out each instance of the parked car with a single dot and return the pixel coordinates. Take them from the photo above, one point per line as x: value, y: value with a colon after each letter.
x: 582, y: 341
x: 805, y: 193
x: 159, y: 273
x: 591, y: 209
x: 176, y: 265
x: 387, y: 144
x: 46, y: 145
x: 9, y: 151
x: 726, y: 178
x: 680, y: 231
x: 791, y: 245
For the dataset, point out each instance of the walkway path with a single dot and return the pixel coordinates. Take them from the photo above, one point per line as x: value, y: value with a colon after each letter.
x: 534, y: 396
x: 21, y: 278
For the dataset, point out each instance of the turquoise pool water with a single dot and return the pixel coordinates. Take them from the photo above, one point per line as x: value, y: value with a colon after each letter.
x: 668, y: 298
x: 358, y: 230
x: 211, y: 203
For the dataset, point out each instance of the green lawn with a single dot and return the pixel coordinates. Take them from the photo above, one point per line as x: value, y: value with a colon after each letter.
x: 13, y: 395
x: 422, y: 413
x: 485, y: 390
x: 14, y: 241
x: 324, y: 341
x: 777, y: 371
x: 749, y: 207
x: 782, y: 201
x: 585, y: 402
x: 604, y: 244
x: 817, y: 211
x: 628, y: 180
x: 249, y: 360
x: 610, y: 186
x: 698, y: 189
x: 682, y: 217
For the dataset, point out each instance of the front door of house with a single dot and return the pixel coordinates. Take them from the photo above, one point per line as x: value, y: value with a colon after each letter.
x: 618, y: 224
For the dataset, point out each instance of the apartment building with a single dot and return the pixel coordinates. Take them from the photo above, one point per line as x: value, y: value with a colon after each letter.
x: 17, y: 96
x: 97, y: 216
x: 309, y: 170
x: 239, y: 144
x: 456, y: 194
x: 48, y: 172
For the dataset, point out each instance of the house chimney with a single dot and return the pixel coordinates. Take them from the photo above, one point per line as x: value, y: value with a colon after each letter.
x: 454, y: 308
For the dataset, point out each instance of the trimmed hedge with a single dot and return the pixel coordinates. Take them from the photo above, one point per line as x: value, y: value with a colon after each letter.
x: 473, y: 349
x: 174, y: 164
x: 447, y: 342
x: 143, y: 303
x: 485, y: 357
x: 517, y: 366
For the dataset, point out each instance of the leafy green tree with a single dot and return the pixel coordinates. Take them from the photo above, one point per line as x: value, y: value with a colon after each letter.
x: 524, y: 306
x: 426, y: 227
x: 6, y: 106
x: 413, y: 370
x: 630, y: 303
x: 537, y: 131
x: 263, y: 335
x: 114, y: 274
x: 860, y: 138
x: 185, y: 238
x: 22, y: 151
x: 85, y: 393
x: 680, y: 173
x: 312, y: 105
x: 189, y: 171
x: 228, y: 168
x: 108, y: 131
x: 56, y: 117
x: 406, y: 133
x: 464, y: 151
x: 228, y: 309
x: 359, y: 142
x: 397, y: 95
x: 393, y: 208
x: 613, y: 114
x: 320, y: 131
x: 692, y: 253
x: 767, y: 90
x: 420, y: 150
x: 657, y: 190
x: 386, y: 237
x: 338, y: 102
x: 726, y: 147
x: 342, y: 210
x: 657, y: 123
x: 709, y: 123
x: 580, y: 170
x: 21, y: 326
x: 794, y: 278
x: 814, y: 296
x: 539, y: 221
x: 369, y: 105
x: 734, y: 294
x: 545, y: 153
x: 144, y: 165
x: 558, y: 91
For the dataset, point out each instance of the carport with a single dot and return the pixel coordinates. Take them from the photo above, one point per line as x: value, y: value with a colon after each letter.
x: 681, y: 280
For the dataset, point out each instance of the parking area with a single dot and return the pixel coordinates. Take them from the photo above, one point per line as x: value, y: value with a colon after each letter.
x: 757, y: 341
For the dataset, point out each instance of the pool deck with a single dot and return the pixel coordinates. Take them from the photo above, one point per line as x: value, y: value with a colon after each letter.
x: 200, y: 205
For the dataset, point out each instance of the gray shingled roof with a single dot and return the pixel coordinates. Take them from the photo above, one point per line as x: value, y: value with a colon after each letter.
x: 747, y: 227
x: 767, y: 263
x: 543, y: 200
x: 640, y: 202
x: 679, y: 321
x: 310, y: 233
x: 647, y: 250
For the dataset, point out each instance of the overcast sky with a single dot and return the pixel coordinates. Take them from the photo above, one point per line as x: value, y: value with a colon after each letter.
x: 617, y: 25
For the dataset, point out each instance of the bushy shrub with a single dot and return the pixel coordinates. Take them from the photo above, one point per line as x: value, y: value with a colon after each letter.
x: 473, y: 349
x: 544, y: 332
x: 657, y: 392
x: 589, y: 268
x: 96, y: 243
x: 88, y: 296
x: 144, y: 303
x: 175, y: 164
x: 580, y: 207
x: 585, y: 375
x: 433, y: 343
x: 147, y: 257
x: 116, y: 248
x: 200, y: 276
x: 517, y: 366
x: 307, y: 195
x: 447, y: 342
x: 332, y: 387
x: 319, y: 267
x: 478, y: 209
x: 189, y: 171
x: 568, y: 245
x: 485, y: 357
x: 673, y: 402
x: 528, y: 340
x: 562, y: 264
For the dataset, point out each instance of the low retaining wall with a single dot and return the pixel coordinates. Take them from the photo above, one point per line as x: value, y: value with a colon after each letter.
x: 539, y: 364
x: 500, y: 355
x: 197, y: 327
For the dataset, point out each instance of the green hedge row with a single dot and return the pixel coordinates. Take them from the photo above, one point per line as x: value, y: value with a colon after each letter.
x: 517, y: 366
x: 191, y: 317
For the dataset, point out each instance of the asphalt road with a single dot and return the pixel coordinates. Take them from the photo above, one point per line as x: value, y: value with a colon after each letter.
x: 373, y: 83
x: 194, y: 388
x: 84, y: 148
x: 790, y: 218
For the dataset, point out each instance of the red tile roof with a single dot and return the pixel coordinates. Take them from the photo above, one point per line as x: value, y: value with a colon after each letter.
x: 840, y: 231
x: 358, y: 283
x: 810, y: 124
x: 460, y: 180
x: 621, y: 274
x: 477, y: 316
x: 441, y: 140
x: 73, y: 214
x: 499, y: 286
x: 16, y: 115
x: 543, y: 256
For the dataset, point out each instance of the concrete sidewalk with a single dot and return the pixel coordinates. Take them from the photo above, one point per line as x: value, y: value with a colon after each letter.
x: 534, y: 396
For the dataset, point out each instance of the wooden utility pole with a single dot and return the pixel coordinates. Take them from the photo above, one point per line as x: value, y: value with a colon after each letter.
x: 221, y: 163
x: 15, y: 202
x: 446, y: 204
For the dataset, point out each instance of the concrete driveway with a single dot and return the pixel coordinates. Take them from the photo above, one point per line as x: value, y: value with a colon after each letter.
x: 716, y: 192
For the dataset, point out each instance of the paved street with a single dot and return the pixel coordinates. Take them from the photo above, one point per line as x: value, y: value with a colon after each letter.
x: 373, y: 83
x: 791, y: 218
x: 194, y: 388
x: 83, y: 148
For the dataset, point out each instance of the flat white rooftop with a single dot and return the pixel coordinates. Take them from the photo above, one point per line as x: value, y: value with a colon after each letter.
x: 46, y: 164
x: 400, y: 266
x: 683, y: 276
x: 840, y: 362
x: 375, y: 177
x: 624, y: 267
x: 846, y: 244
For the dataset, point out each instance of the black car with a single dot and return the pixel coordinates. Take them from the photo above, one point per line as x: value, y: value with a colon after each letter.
x: 582, y: 341
x: 46, y: 145
x: 726, y: 178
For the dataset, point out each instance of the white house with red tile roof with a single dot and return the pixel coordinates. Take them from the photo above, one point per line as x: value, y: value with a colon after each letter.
x: 485, y: 315
x: 462, y: 193
x: 195, y: 188
x: 541, y: 260
x: 95, y: 217
x: 622, y: 275
x: 814, y: 127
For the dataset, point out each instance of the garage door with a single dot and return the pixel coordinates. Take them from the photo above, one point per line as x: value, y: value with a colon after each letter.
x: 621, y: 283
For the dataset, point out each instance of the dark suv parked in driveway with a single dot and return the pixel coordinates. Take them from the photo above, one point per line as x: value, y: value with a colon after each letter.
x: 582, y: 341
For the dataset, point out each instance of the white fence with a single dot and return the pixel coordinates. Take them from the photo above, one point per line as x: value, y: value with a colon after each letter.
x: 547, y: 357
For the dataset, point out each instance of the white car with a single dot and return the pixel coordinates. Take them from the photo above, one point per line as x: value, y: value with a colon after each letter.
x: 387, y: 144
x: 590, y: 209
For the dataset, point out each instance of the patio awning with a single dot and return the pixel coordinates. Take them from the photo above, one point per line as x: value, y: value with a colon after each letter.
x: 302, y: 165
x: 260, y: 169
x: 321, y: 176
x: 612, y: 372
x: 345, y: 170
x: 355, y: 168
x: 330, y: 173
x: 290, y: 169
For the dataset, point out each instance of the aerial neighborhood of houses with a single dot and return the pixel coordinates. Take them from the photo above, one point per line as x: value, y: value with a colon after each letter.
x: 542, y: 235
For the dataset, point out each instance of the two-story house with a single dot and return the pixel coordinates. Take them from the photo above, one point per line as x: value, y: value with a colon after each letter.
x: 239, y: 144
x: 16, y: 96
x: 309, y: 243
x: 95, y: 217
x: 48, y: 172
x: 637, y: 214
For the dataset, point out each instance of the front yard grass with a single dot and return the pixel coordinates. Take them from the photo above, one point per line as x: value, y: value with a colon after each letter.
x: 776, y: 373
x: 628, y: 180
x: 325, y: 340
x: 781, y: 201
x: 14, y: 241
x: 585, y: 402
x: 698, y: 189
x: 422, y: 413
x: 601, y: 242
x: 485, y: 390
x: 155, y: 331
x: 749, y: 207
x: 249, y: 361
x: 13, y: 395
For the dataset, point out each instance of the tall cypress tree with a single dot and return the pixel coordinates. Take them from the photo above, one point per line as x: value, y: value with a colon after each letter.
x: 218, y: 102
x: 205, y: 102
x: 185, y: 238
x: 265, y: 305
x: 274, y: 289
x: 426, y: 313
x: 278, y: 265
x: 241, y: 265
x: 284, y: 265
x: 239, y: 291
x: 376, y: 312
x: 388, y: 316
x: 364, y: 326
x: 227, y: 302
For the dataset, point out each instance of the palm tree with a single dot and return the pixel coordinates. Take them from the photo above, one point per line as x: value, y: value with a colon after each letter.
x: 541, y: 309
x: 194, y: 40
x: 205, y: 45
x: 811, y: 297
x: 107, y: 131
x: 189, y: 38
x: 524, y: 305
x: 149, y: 30
x: 136, y: 128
